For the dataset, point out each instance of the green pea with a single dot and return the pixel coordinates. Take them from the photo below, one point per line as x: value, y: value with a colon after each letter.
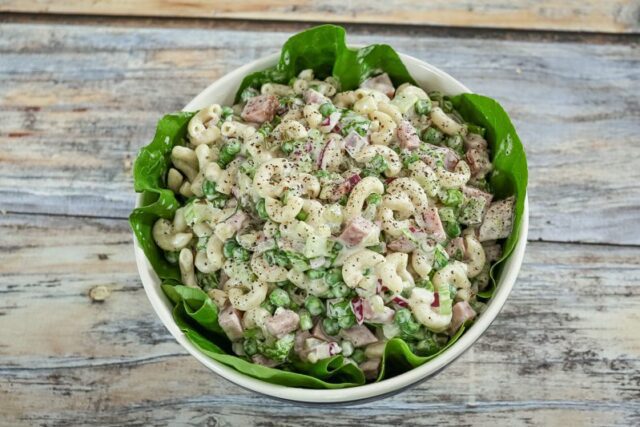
x: 314, y: 305
x: 262, y: 210
x: 266, y: 304
x: 302, y: 215
x: 452, y: 229
x: 306, y: 322
x: 343, y: 200
x: 279, y: 297
x: 447, y: 106
x: 248, y: 168
x: 226, y: 112
x: 456, y: 143
x: 209, y: 189
x: 340, y: 290
x: 402, y: 316
x: 358, y: 355
x: 426, y: 347
x: 453, y: 198
x: 408, y: 160
x: 423, y: 106
x: 379, y: 164
x: 318, y: 273
x: 374, y: 199
x: 436, y: 96
x: 333, y: 276
x: 241, y: 254
x: 229, y: 247
x: 432, y: 136
x: 250, y: 346
x: 287, y: 147
x: 345, y: 322
x: 326, y: 109
x: 330, y: 326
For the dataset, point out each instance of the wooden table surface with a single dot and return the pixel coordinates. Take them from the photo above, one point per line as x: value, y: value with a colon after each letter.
x: 81, y: 87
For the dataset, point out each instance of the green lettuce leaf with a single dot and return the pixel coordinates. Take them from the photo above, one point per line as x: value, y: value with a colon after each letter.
x: 324, y: 50
x: 149, y: 172
x: 510, y: 173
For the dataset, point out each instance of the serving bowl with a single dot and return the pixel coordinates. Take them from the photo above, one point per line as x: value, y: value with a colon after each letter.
x: 222, y: 92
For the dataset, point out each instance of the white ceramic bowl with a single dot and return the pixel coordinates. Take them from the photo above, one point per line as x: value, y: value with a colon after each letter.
x: 222, y: 92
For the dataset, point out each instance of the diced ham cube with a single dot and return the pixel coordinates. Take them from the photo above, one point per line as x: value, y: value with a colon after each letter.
x: 359, y: 335
x: 231, y: 323
x: 473, y: 192
x: 354, y: 142
x: 356, y: 230
x: 371, y: 368
x: 474, y: 141
x: 282, y: 323
x: 381, y: 83
x: 237, y: 220
x: 318, y: 350
x: 449, y: 157
x: 312, y: 96
x: 479, y: 162
x: 498, y: 221
x: 401, y: 244
x: 261, y: 360
x: 407, y: 136
x: 299, y: 346
x: 456, y: 248
x: 260, y: 109
x: 433, y: 224
x: 462, y: 312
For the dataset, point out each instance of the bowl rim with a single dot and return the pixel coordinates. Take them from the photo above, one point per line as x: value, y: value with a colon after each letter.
x: 161, y: 304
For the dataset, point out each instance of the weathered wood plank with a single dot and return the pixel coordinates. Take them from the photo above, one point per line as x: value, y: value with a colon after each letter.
x: 564, y: 350
x: 617, y: 16
x: 77, y: 102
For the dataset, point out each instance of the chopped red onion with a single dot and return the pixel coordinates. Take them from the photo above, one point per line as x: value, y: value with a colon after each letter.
x: 357, y: 307
x: 436, y: 300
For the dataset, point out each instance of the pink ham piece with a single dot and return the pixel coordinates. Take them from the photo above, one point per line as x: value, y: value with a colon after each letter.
x: 456, y: 246
x: 354, y: 142
x: 479, y: 162
x: 282, y: 323
x: 475, y: 141
x: 450, y: 158
x: 498, y: 221
x: 356, y: 230
x: 473, y: 192
x: 401, y: 244
x: 433, y: 224
x: 260, y: 109
x: 358, y: 335
x: 407, y: 136
x: 462, y: 312
x: 231, y: 323
x: 261, y: 360
x: 381, y: 83
x: 370, y: 368
x: 318, y: 350
x: 314, y: 97
x: 299, y: 346
x: 237, y: 220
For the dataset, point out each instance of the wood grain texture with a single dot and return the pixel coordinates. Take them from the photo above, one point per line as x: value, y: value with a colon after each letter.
x: 77, y: 102
x: 564, y: 351
x: 615, y: 16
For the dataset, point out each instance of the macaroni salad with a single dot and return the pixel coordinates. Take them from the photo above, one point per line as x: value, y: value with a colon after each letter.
x: 323, y: 222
